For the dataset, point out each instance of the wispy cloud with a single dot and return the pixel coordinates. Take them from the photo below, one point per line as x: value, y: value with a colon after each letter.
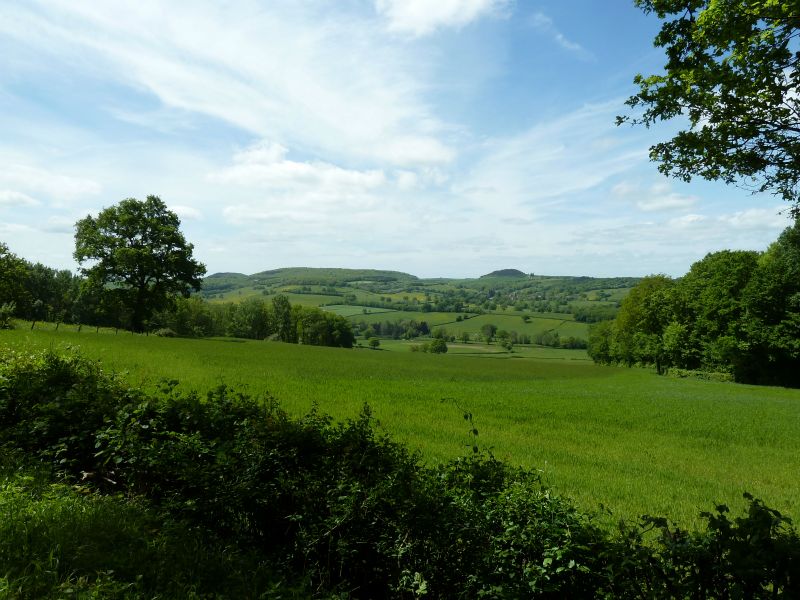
x: 323, y: 81
x: 551, y: 162
x: 658, y: 197
x: 12, y: 198
x: 423, y: 17
x: 544, y: 24
x: 265, y: 165
x: 35, y: 181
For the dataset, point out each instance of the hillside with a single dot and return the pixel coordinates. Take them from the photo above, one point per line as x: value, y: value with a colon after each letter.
x: 507, y: 292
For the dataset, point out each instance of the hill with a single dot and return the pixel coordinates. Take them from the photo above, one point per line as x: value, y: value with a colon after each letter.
x: 506, y: 291
x: 505, y: 273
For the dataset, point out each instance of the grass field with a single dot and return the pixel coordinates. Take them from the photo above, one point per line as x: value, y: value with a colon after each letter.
x: 565, y: 328
x: 626, y: 438
x: 495, y: 350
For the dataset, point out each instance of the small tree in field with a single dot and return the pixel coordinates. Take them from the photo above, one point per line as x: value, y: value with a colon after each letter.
x: 437, y: 346
x: 374, y: 343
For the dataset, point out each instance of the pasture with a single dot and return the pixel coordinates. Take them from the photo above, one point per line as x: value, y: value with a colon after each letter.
x: 625, y: 438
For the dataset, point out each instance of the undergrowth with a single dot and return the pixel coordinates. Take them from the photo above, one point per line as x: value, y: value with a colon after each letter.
x: 127, y: 494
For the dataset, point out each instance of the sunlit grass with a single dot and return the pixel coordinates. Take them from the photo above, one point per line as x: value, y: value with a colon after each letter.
x: 633, y: 441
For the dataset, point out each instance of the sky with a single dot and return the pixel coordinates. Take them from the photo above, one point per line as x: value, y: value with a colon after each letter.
x: 443, y: 138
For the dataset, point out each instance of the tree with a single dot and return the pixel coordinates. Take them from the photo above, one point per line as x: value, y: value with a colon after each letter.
x: 732, y: 71
x: 13, y: 276
x: 772, y: 305
x: 139, y: 254
x: 282, y: 313
x: 437, y: 346
x: 642, y: 317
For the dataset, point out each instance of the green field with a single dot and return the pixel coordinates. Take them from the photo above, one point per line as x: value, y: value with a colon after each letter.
x: 564, y: 327
x: 347, y: 310
x: 495, y: 350
x: 626, y: 438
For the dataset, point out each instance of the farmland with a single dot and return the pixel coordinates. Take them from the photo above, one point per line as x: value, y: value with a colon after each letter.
x: 625, y: 438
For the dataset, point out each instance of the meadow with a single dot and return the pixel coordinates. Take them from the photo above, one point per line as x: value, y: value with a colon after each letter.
x: 626, y: 439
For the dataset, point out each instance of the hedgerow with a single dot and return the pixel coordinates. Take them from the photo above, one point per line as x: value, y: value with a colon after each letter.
x: 337, y: 508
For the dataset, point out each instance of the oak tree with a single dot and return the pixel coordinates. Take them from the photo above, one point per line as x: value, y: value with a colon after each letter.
x: 137, y: 252
x: 731, y: 73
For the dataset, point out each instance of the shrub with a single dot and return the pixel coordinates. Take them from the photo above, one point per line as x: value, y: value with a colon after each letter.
x: 438, y: 346
x: 7, y: 311
x: 165, y: 332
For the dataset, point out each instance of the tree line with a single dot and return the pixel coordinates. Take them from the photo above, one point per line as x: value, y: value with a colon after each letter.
x: 735, y: 312
x: 35, y: 292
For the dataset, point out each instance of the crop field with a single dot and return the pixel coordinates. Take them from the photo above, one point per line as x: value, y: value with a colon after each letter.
x: 626, y: 438
x: 431, y: 318
x: 306, y: 299
x: 347, y: 310
x: 495, y: 350
x: 565, y: 328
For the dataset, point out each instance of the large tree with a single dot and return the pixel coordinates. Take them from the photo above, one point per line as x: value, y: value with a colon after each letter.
x: 137, y: 252
x: 731, y: 75
x: 13, y: 277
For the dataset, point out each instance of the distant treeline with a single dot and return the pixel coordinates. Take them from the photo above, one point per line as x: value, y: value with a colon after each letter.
x: 736, y: 312
x: 398, y: 329
x: 594, y: 314
x: 254, y: 318
x: 35, y: 292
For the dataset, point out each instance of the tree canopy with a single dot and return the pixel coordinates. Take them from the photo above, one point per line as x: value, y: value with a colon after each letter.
x: 731, y: 70
x: 735, y: 312
x: 138, y: 255
x: 13, y: 274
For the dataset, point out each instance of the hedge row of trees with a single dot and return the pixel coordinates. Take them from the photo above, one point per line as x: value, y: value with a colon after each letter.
x: 735, y: 311
x: 35, y: 292
x: 398, y: 329
x: 38, y: 292
x: 255, y: 318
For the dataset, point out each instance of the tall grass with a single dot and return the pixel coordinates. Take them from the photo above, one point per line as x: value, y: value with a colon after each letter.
x: 628, y: 439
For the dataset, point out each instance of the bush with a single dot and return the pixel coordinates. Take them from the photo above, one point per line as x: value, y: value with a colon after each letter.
x: 438, y: 346
x: 7, y: 311
x: 165, y: 332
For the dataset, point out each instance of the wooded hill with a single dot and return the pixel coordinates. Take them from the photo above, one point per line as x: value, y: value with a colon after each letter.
x: 587, y: 298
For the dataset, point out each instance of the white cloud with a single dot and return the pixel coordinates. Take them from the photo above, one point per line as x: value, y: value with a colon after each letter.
x: 40, y: 181
x: 658, y: 197
x: 60, y: 224
x: 422, y: 17
x: 549, y: 163
x: 186, y: 212
x: 12, y: 198
x: 264, y: 165
x: 324, y: 81
x: 545, y: 24
x: 690, y: 220
x: 758, y: 218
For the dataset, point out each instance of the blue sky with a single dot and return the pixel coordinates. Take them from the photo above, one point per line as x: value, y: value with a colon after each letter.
x: 436, y: 137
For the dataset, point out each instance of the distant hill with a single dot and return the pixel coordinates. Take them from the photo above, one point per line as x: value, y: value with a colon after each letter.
x: 505, y: 292
x: 505, y: 273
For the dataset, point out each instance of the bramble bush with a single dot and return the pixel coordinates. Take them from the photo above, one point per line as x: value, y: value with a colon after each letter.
x: 338, y: 509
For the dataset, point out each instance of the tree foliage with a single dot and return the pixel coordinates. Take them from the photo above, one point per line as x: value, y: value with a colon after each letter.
x: 731, y: 70
x: 735, y: 312
x: 139, y: 255
x: 13, y: 274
